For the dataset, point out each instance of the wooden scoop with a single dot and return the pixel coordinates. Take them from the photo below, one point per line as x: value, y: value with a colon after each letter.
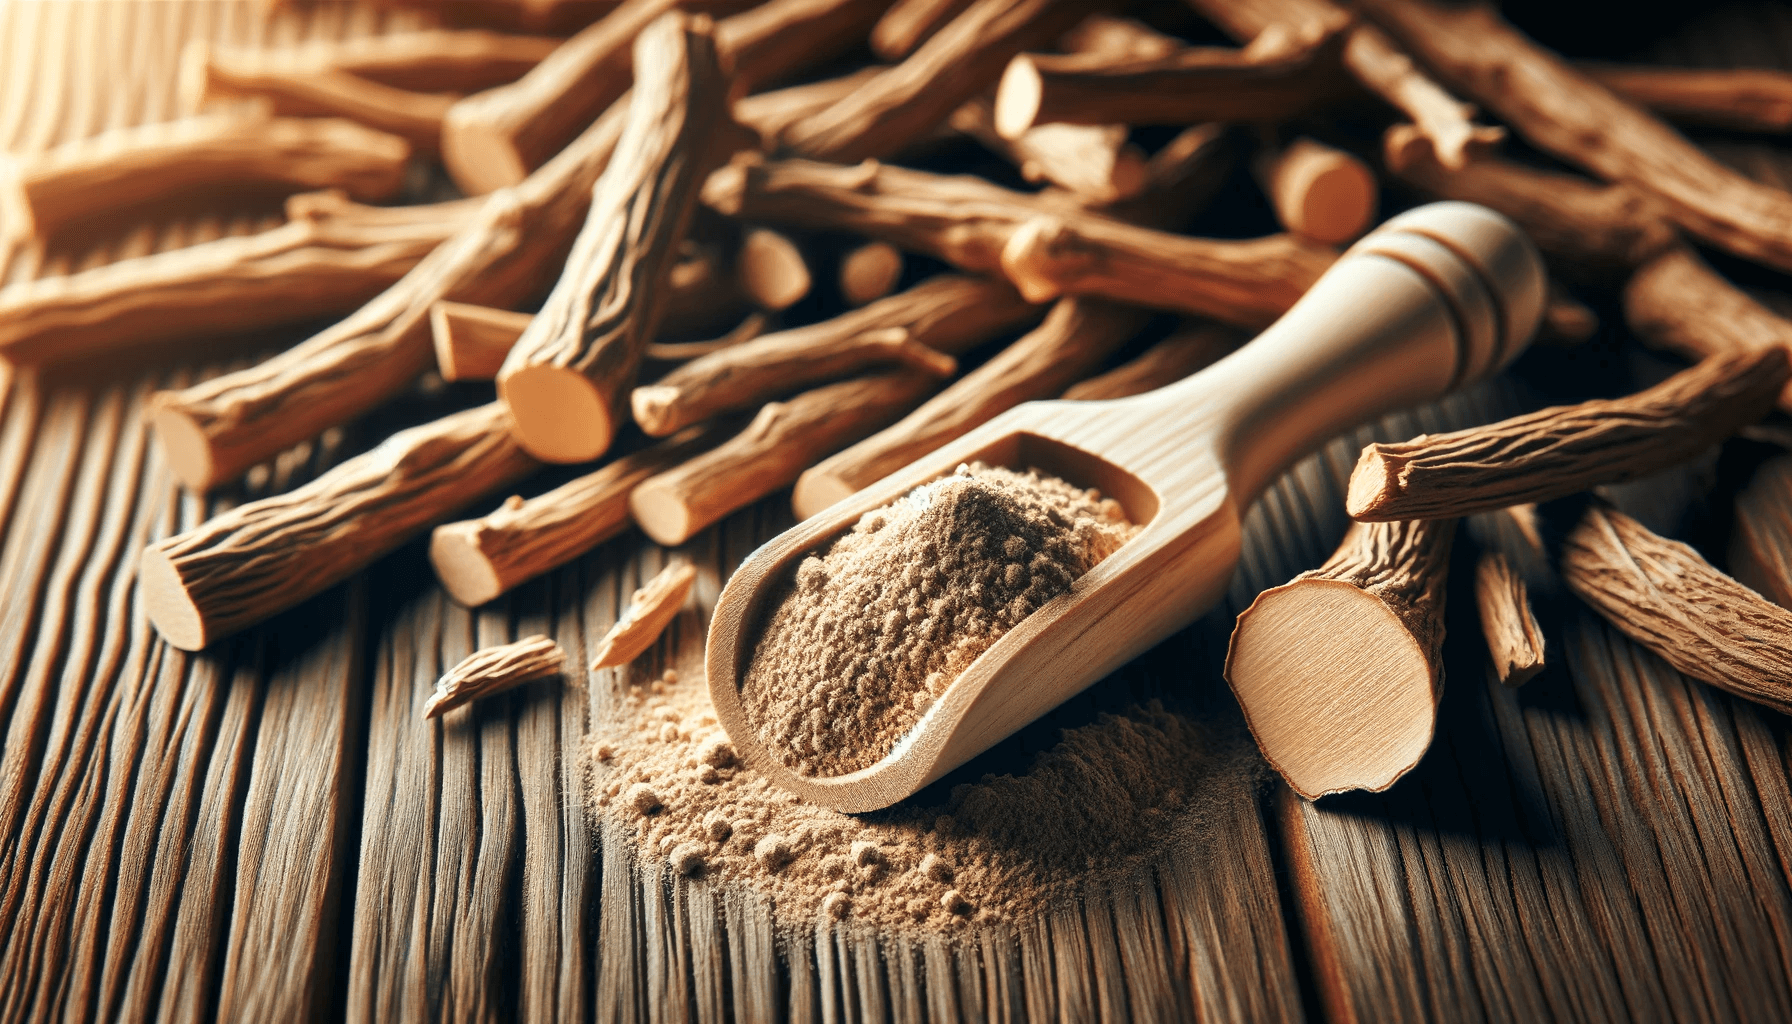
x: 1432, y: 300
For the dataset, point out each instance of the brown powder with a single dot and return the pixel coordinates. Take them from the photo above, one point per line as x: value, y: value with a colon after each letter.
x: 867, y: 634
x: 1111, y: 796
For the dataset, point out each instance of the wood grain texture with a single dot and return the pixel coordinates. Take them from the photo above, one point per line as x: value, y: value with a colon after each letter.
x: 1609, y: 842
x: 1339, y: 670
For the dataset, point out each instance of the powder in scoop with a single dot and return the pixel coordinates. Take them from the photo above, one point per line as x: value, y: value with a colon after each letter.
x: 1109, y: 798
x: 870, y: 631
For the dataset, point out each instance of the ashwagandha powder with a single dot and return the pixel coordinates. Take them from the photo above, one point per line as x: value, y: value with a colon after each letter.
x: 1108, y: 798
x: 869, y: 632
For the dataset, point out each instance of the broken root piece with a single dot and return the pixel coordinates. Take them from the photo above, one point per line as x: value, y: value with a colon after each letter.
x: 493, y: 670
x: 649, y: 613
x: 1338, y: 671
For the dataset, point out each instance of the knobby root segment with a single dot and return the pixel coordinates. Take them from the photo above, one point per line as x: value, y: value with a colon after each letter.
x: 1339, y: 670
x: 650, y: 611
x: 493, y: 670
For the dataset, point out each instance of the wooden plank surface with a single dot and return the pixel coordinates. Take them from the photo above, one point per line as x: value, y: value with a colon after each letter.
x: 268, y: 831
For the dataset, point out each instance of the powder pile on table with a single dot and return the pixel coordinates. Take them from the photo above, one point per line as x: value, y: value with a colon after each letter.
x: 1108, y: 800
x: 865, y: 635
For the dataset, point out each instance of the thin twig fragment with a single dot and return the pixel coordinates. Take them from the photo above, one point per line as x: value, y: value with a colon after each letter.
x: 491, y: 671
x: 652, y: 609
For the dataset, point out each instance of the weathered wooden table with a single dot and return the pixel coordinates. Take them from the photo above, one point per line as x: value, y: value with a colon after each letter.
x: 268, y: 831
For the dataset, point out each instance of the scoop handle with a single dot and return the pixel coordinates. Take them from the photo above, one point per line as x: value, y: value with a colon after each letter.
x: 1434, y: 299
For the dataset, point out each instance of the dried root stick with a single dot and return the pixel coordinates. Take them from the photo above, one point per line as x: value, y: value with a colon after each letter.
x: 100, y: 179
x: 906, y: 101
x: 1182, y: 353
x: 1074, y: 339
x: 1339, y: 670
x: 565, y: 378
x: 1318, y: 192
x: 1761, y: 547
x: 498, y: 137
x: 783, y: 439
x: 1661, y: 594
x: 330, y: 257
x: 1512, y: 563
x: 213, y: 431
x: 432, y: 60
x: 472, y: 341
x: 1568, y: 115
x: 1678, y: 302
x: 870, y: 272
x: 1369, y: 56
x: 479, y: 559
x: 493, y: 670
x: 1093, y: 161
x: 652, y: 609
x: 1740, y: 99
x: 923, y: 328
x: 909, y: 23
x: 1047, y: 246
x: 293, y: 91
x: 1555, y: 452
x: 263, y: 557
x: 1514, y: 638
x: 1192, y: 85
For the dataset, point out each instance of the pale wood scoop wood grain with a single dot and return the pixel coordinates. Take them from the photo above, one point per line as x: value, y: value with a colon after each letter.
x: 1432, y: 300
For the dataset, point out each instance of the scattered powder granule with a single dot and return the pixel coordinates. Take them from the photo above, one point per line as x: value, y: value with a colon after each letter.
x: 1110, y: 797
x: 867, y: 634
x: 687, y: 859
